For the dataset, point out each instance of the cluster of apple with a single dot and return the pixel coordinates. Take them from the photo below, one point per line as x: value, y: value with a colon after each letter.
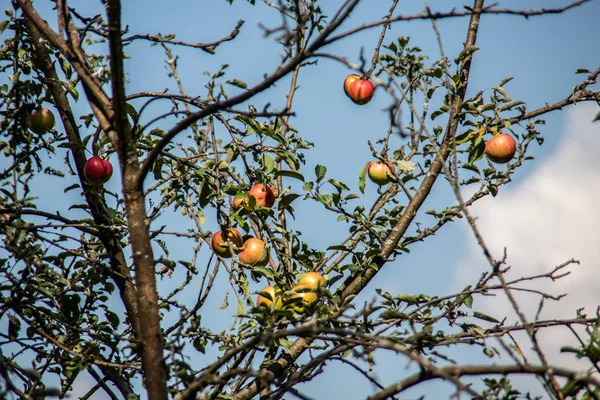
x: 97, y: 171
x: 228, y: 242
x: 300, y: 298
x: 500, y: 149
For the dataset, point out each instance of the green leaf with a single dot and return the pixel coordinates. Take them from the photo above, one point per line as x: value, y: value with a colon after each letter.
x: 469, y: 301
x: 485, y: 317
x: 241, y: 307
x: 511, y: 105
x: 290, y: 174
x: 73, y: 186
x: 287, y: 200
x: 579, y: 71
x: 268, y: 163
x: 320, y: 171
x: 238, y: 83
x: 467, y: 51
x: 71, y: 89
x: 362, y: 175
x: 325, y: 199
x: 112, y: 318
x: 477, y: 152
x: 338, y: 185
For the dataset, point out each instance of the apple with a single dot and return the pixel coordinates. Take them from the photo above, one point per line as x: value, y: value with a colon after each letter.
x: 97, y: 170
x: 380, y: 172
x: 314, y: 280
x: 238, y: 202
x: 264, y: 301
x: 306, y: 298
x: 349, y: 81
x: 501, y: 148
x: 41, y: 120
x: 220, y: 245
x: 265, y: 196
x: 255, y: 253
x: 361, y: 91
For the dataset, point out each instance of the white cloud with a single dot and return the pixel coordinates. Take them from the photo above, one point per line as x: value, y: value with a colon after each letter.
x: 549, y: 217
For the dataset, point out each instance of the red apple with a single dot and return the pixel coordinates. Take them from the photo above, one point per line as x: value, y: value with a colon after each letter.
x: 501, y: 148
x: 349, y: 81
x: 220, y: 245
x: 41, y: 121
x: 97, y: 171
x: 314, y: 280
x: 265, y: 196
x: 361, y: 91
x: 306, y: 298
x: 264, y: 301
x: 255, y: 253
x: 380, y: 172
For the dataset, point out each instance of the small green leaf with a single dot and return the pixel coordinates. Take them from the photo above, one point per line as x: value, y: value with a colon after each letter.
x: 362, y: 176
x: 485, y: 317
x: 268, y: 163
x: 238, y: 83
x: 290, y: 174
x: 320, y: 171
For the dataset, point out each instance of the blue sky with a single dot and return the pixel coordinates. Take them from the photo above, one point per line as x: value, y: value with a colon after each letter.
x: 541, y: 53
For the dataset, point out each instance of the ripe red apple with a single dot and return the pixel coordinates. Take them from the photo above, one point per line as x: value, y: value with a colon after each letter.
x: 380, y: 172
x: 361, y: 91
x: 255, y: 253
x: 265, y: 196
x: 305, y: 294
x: 349, y: 81
x: 220, y: 245
x: 313, y: 280
x: 97, y: 171
x: 501, y: 148
x: 41, y: 121
x: 262, y: 301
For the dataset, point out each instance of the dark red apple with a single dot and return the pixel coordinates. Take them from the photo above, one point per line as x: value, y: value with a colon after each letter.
x: 361, y: 91
x: 41, y: 121
x: 97, y: 170
x: 501, y: 148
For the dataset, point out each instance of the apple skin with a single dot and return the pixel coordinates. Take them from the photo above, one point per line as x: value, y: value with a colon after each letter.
x: 41, y: 121
x: 220, y: 246
x: 307, y: 296
x: 262, y: 301
x: 501, y: 148
x: 97, y: 170
x: 379, y: 172
x: 350, y: 79
x: 255, y: 254
x: 313, y: 280
x: 265, y: 197
x: 361, y: 91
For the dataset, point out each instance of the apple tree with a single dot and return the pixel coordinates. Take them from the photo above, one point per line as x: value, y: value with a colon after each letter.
x: 129, y: 219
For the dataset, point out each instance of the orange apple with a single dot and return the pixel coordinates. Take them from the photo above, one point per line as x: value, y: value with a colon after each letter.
x: 349, y: 81
x: 265, y: 196
x: 265, y: 301
x: 313, y: 280
x: 501, y: 148
x: 256, y: 253
x: 306, y: 298
x: 41, y: 120
x: 220, y: 245
x: 361, y: 91
x: 380, y: 172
